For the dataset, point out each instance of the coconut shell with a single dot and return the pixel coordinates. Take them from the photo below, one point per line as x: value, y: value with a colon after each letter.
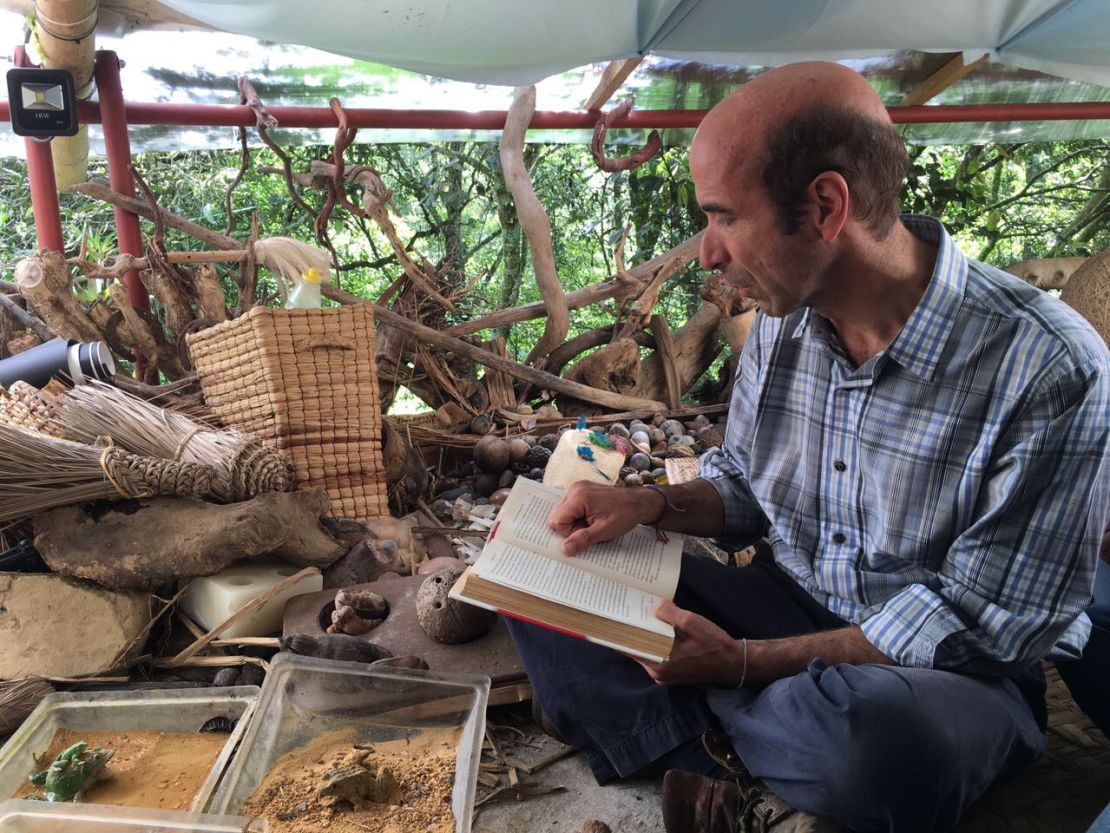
x: 444, y: 619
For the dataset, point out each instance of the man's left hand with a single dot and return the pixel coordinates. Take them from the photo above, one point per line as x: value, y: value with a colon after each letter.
x: 703, y: 654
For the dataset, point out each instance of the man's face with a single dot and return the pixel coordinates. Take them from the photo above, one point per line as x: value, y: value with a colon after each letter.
x: 743, y: 240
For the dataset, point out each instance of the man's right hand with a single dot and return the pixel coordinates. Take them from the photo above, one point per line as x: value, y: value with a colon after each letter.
x: 591, y: 513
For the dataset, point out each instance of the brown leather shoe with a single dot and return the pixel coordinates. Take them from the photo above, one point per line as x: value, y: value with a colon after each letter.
x: 741, y: 804
x: 695, y: 803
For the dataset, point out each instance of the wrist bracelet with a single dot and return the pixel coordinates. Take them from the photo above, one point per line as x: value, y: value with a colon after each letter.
x: 660, y: 535
x: 744, y: 666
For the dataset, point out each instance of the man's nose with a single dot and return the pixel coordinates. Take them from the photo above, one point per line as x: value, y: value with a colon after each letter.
x: 711, y: 254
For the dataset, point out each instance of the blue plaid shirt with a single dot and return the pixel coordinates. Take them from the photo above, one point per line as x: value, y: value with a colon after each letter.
x: 948, y: 495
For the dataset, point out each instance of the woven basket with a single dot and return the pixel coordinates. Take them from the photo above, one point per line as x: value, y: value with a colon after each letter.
x: 304, y: 381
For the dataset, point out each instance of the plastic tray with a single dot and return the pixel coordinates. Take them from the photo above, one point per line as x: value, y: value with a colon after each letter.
x: 157, y: 710
x: 303, y: 698
x: 18, y: 816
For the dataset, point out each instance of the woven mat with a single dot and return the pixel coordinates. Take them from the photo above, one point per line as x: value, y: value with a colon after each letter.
x: 1064, y: 791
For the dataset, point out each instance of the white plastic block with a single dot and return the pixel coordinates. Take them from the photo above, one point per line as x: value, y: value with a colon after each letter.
x: 211, y: 599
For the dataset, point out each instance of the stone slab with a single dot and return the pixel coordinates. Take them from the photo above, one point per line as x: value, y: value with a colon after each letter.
x: 493, y: 654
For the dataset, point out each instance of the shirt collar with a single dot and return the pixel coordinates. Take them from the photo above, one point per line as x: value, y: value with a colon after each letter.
x: 920, y: 343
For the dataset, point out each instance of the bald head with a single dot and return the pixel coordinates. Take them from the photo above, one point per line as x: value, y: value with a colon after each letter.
x: 782, y: 93
x: 789, y: 124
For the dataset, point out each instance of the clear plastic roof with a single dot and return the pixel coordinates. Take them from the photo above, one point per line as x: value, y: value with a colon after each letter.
x: 202, y: 67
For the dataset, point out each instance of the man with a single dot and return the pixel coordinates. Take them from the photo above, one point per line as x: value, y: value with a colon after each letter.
x: 921, y: 437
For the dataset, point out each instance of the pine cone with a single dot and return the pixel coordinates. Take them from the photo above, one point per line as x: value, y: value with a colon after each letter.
x: 538, y: 455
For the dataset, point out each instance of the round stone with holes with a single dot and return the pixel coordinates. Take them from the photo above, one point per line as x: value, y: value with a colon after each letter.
x: 444, y: 619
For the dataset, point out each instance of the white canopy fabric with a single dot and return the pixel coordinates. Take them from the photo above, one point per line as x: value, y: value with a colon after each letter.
x: 522, y: 41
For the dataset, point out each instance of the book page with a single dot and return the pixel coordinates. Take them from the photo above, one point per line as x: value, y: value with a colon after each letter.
x: 523, y: 518
x: 637, y: 558
x: 562, y: 582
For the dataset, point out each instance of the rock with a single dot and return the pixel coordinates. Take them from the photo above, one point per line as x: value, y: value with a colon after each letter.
x: 618, y: 429
x: 444, y: 619
x: 366, y: 603
x: 672, y: 428
x: 639, y: 461
x: 634, y: 479
x: 499, y: 497
x: 250, y: 674
x: 486, y: 483
x: 507, y: 479
x: 641, y: 438
x: 595, y: 826
x: 143, y: 544
x: 334, y: 646
x: 366, y: 561
x: 53, y: 627
x: 225, y: 677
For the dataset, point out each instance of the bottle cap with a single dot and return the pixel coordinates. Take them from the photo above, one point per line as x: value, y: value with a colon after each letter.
x: 312, y: 275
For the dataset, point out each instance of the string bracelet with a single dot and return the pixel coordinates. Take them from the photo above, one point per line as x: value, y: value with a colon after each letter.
x: 660, y: 535
x: 744, y: 665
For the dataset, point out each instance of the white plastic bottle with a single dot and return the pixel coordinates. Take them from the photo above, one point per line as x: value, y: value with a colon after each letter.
x: 306, y: 295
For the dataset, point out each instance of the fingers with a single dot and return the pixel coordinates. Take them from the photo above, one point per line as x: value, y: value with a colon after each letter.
x: 568, y: 514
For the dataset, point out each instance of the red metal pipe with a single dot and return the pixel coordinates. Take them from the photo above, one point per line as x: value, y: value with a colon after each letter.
x: 44, y: 196
x: 224, y: 115
x: 117, y: 147
x: 44, y: 188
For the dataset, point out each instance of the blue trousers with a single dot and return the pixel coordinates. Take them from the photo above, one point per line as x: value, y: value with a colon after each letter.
x: 880, y: 748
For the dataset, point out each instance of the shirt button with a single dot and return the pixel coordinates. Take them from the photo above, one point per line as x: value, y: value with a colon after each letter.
x: 838, y: 538
x: 840, y: 465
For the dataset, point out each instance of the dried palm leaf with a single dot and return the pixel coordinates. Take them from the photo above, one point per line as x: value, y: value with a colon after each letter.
x: 244, y: 467
x: 38, y: 473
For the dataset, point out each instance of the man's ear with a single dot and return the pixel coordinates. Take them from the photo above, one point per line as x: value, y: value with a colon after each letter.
x: 830, y: 204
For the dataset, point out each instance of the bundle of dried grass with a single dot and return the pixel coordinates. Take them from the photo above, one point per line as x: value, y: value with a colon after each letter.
x: 244, y: 467
x: 38, y: 473
x: 18, y: 699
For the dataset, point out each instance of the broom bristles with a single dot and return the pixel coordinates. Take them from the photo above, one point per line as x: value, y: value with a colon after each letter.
x: 288, y: 259
x: 18, y: 699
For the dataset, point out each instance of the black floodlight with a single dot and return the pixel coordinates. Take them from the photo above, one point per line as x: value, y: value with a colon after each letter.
x: 43, y: 102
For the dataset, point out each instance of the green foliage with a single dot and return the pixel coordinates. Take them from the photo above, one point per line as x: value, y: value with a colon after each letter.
x: 1003, y: 202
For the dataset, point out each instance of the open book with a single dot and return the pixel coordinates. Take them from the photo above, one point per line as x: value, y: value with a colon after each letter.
x: 607, y: 595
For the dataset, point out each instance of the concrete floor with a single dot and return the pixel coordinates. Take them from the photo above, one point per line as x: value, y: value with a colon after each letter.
x: 626, y: 807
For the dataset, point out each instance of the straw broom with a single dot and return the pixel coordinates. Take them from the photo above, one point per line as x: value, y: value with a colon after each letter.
x: 244, y: 467
x: 18, y: 699
x: 38, y: 473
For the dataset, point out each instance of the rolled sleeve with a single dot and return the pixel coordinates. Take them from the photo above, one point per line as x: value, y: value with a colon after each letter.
x: 1016, y: 581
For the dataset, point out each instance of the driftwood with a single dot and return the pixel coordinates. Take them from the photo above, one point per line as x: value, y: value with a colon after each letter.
x: 1046, y: 272
x: 536, y: 377
x: 665, y: 349
x: 173, y: 538
x: 24, y: 319
x: 445, y: 378
x: 623, y: 163
x: 668, y: 263
x: 44, y: 281
x: 695, y: 347
x: 534, y: 221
